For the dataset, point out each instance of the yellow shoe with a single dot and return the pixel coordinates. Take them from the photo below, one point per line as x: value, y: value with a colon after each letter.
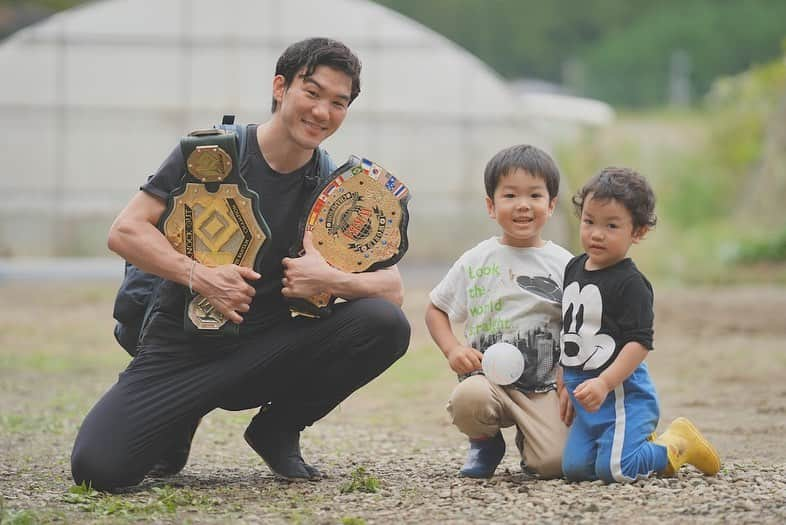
x: 685, y: 444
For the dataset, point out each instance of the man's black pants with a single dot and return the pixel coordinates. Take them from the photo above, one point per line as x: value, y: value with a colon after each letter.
x: 303, y: 368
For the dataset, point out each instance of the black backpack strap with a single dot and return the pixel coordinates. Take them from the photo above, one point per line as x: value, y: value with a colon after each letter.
x: 228, y: 125
x: 133, y: 305
x: 151, y: 302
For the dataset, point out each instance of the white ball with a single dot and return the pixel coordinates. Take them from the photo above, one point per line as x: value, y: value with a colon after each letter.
x: 502, y: 363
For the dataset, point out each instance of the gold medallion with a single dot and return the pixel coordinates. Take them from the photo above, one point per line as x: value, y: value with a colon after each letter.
x: 209, y: 163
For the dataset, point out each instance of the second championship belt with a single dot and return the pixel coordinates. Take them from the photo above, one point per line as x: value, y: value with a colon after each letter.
x: 213, y: 218
x: 358, y: 222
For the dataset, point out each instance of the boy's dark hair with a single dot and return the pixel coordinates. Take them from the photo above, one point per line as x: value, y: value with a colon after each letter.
x: 625, y: 186
x: 314, y: 52
x: 524, y: 157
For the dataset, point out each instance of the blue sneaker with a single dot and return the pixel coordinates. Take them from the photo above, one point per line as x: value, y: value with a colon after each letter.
x: 483, y: 457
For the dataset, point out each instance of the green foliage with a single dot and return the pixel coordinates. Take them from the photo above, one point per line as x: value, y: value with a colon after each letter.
x: 163, y: 500
x: 17, y: 517
x: 704, y: 185
x: 632, y: 67
x: 360, y: 481
x: 763, y: 249
x: 351, y: 520
x: 695, y: 190
x: 23, y: 423
x: 740, y: 108
x: 523, y: 37
x: 623, y: 47
x: 707, y: 170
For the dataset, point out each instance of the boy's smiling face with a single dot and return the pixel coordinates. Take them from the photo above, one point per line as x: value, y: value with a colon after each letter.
x: 521, y: 206
x: 607, y: 232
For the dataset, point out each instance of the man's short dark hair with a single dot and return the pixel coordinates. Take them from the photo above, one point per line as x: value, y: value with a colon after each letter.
x: 524, y: 157
x: 625, y: 186
x: 314, y: 52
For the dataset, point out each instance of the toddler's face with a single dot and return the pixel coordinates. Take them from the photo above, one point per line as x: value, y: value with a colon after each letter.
x: 521, y: 206
x: 607, y: 232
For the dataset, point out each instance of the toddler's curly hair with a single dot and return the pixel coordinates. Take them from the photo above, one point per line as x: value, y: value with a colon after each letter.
x: 625, y: 186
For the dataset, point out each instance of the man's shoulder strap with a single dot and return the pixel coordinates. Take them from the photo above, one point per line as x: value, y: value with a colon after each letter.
x: 325, y: 165
x: 228, y: 125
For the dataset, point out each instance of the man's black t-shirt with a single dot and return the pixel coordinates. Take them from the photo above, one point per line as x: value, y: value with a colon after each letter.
x: 282, y: 201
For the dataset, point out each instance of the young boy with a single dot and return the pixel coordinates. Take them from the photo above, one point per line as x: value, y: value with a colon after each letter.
x: 606, y: 335
x: 508, y: 288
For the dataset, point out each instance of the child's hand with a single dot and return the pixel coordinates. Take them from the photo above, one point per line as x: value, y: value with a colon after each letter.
x: 464, y: 359
x: 565, y: 405
x: 591, y: 393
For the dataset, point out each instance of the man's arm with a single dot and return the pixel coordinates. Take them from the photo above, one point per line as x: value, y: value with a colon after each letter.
x: 135, y: 237
x: 309, y: 275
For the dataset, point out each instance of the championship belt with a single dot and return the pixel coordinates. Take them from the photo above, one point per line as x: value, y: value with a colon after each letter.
x: 213, y: 218
x: 358, y: 222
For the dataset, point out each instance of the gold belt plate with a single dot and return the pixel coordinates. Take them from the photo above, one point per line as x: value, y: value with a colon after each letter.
x: 357, y: 221
x: 214, y: 228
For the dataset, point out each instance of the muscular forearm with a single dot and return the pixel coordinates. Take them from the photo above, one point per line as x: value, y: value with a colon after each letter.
x: 309, y: 275
x: 134, y: 236
x: 384, y: 284
x: 630, y: 357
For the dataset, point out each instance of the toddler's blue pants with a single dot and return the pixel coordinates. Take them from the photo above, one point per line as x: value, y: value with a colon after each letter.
x: 611, y: 444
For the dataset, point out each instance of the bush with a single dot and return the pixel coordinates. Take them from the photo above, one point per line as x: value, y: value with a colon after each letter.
x: 632, y: 67
x: 772, y: 249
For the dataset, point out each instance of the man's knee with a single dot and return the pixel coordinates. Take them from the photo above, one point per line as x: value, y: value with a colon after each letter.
x: 100, y: 472
x: 387, y: 322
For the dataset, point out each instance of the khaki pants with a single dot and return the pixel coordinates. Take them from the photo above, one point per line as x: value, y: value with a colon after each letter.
x: 479, y: 409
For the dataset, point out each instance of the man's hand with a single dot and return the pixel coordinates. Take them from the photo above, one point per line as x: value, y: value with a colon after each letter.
x: 463, y: 359
x: 226, y: 288
x: 307, y: 275
x: 591, y: 393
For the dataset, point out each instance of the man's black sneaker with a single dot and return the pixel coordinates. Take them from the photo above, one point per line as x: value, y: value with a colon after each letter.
x: 280, y: 450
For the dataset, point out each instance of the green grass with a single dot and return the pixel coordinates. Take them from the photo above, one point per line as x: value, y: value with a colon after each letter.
x: 351, y: 520
x: 360, y: 481
x: 29, y: 423
x: 17, y: 517
x: 159, y: 501
x: 56, y: 362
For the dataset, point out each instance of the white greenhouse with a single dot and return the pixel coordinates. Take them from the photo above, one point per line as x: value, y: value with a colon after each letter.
x: 94, y: 98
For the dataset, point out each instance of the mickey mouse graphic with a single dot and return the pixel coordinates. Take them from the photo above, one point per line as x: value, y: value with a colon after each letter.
x: 582, y: 345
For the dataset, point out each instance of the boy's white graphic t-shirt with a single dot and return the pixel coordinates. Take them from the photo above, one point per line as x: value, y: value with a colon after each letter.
x: 513, y: 295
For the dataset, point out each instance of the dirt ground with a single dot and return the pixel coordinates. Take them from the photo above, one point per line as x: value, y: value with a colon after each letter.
x: 719, y: 360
